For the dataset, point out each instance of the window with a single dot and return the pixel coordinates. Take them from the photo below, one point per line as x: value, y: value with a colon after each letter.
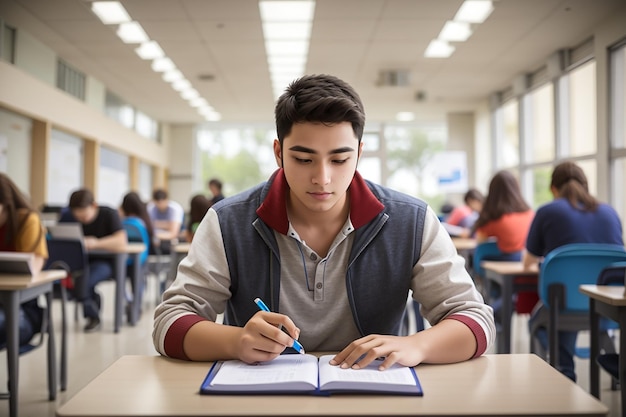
x: 113, y: 177
x: 617, y: 110
x: 146, y: 126
x: 581, y: 85
x: 70, y: 80
x: 7, y: 46
x: 540, y: 124
x: 507, y: 134
x: 118, y: 110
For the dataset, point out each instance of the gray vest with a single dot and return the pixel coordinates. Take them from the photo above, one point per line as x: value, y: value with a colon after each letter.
x: 378, y: 276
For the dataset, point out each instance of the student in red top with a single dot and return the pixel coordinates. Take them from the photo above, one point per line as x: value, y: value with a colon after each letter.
x: 505, y: 217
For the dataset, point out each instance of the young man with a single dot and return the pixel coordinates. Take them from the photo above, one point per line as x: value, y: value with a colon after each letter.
x: 166, y: 216
x: 103, y: 230
x: 334, y: 257
x: 215, y: 186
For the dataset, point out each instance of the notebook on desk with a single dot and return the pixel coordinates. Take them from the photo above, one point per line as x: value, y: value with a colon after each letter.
x: 16, y: 263
x: 66, y: 231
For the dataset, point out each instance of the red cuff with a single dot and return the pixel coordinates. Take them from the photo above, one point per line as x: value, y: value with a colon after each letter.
x: 175, y: 336
x: 479, y: 334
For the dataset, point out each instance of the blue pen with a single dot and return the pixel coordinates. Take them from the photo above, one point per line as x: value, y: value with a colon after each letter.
x: 296, y: 345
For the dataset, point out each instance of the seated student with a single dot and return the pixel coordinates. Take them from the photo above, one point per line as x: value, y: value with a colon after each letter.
x: 506, y: 217
x: 133, y: 213
x: 103, y: 230
x: 215, y: 186
x: 198, y: 207
x: 333, y: 255
x: 167, y: 218
x: 465, y: 216
x: 574, y: 216
x: 21, y: 231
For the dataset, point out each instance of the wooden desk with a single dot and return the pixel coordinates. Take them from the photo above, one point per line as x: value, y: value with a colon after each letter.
x: 504, y: 274
x: 14, y: 290
x: 608, y: 301
x: 119, y: 275
x: 464, y: 243
x: 495, y: 385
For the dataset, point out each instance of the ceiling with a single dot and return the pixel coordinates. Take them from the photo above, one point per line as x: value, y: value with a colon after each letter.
x: 353, y: 39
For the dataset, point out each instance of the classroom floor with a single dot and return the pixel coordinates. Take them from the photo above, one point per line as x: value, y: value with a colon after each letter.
x: 90, y: 354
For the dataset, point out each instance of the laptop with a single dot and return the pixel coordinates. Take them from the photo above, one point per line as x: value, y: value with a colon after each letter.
x: 16, y: 263
x: 66, y: 231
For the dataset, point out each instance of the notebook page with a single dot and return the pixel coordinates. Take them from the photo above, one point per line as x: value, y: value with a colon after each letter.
x: 286, y: 372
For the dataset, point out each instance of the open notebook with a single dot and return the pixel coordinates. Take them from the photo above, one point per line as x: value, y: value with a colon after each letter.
x: 16, y: 263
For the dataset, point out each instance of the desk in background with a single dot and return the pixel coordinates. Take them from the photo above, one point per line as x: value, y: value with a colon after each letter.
x: 14, y: 290
x: 608, y: 301
x: 521, y: 385
x: 119, y: 275
x: 504, y: 274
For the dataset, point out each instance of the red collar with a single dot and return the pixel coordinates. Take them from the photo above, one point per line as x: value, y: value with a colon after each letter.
x: 273, y: 211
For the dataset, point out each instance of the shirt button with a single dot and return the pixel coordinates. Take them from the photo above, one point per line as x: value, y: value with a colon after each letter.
x: 313, y: 257
x: 318, y: 285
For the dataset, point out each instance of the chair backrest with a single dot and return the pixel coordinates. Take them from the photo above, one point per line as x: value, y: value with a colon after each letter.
x: 137, y: 232
x: 569, y: 266
x: 613, y: 274
x: 482, y: 250
x: 69, y: 251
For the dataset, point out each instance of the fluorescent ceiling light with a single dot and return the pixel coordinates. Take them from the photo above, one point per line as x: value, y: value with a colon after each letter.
x: 162, y: 65
x: 189, y: 93
x: 197, y: 102
x: 132, y: 32
x: 474, y: 11
x: 180, y: 85
x: 291, y: 11
x: 455, y: 31
x: 286, y: 30
x: 405, y: 116
x: 149, y: 50
x: 172, y: 75
x: 438, y: 49
x: 110, y: 12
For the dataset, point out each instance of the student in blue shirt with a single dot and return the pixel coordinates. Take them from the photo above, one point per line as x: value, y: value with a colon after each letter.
x: 574, y: 216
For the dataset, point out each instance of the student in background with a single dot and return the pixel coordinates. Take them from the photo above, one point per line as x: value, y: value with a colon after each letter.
x: 166, y: 216
x: 574, y: 216
x: 103, y: 230
x: 21, y: 231
x: 505, y: 216
x: 463, y: 217
x: 333, y: 255
x: 135, y: 217
x: 215, y: 186
x: 198, y: 207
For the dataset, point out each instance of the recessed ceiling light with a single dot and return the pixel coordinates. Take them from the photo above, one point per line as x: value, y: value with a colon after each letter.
x: 474, y: 11
x: 132, y: 32
x: 110, y: 12
x: 455, y: 31
x: 149, y: 50
x: 438, y: 49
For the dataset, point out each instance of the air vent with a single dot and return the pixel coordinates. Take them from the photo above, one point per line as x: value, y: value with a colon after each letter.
x: 393, y: 78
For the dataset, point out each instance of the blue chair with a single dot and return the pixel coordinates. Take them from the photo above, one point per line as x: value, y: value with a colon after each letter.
x: 562, y: 272
x: 137, y: 232
x: 482, y: 251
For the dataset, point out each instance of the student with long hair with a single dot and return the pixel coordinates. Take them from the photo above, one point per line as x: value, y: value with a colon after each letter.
x: 21, y: 231
x: 574, y: 216
x: 505, y: 216
x: 198, y: 206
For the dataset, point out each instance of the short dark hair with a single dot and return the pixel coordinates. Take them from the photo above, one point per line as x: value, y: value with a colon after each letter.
x: 81, y: 198
x: 319, y: 98
x: 473, y: 194
x: 217, y: 183
x: 159, y: 194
